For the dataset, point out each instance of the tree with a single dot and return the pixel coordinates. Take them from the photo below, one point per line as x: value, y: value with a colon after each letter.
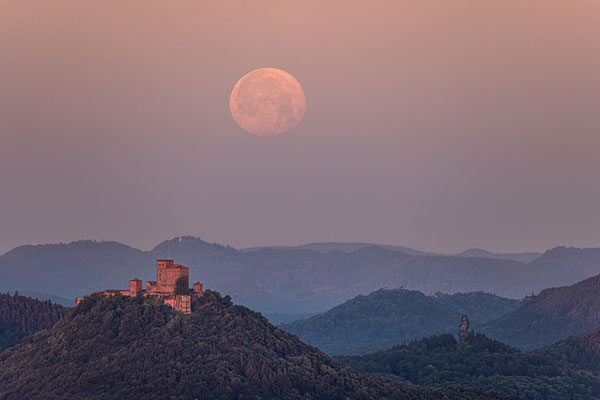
x: 182, y: 285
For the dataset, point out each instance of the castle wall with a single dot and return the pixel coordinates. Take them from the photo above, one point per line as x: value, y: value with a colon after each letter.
x: 181, y: 303
x: 174, y: 273
x: 151, y: 286
x: 135, y: 287
x: 164, y: 263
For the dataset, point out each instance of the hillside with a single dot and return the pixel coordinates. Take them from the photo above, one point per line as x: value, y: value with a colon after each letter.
x: 483, y: 362
x: 582, y: 351
x: 388, y: 317
x: 279, y: 280
x: 479, y: 306
x: 124, y: 347
x: 553, y: 315
x: 21, y: 316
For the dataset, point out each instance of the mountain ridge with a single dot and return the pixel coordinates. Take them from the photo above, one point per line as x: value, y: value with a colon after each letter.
x: 347, y: 247
x: 297, y: 280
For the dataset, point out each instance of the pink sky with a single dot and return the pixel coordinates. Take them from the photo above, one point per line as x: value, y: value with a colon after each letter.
x: 435, y: 125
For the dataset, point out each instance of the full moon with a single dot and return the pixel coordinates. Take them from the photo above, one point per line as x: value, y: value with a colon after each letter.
x: 267, y: 102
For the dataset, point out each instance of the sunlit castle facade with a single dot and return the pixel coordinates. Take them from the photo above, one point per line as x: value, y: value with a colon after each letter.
x: 166, y: 287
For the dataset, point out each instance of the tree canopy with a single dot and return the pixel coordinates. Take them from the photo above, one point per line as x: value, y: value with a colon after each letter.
x: 21, y: 316
x: 126, y: 347
x: 482, y: 362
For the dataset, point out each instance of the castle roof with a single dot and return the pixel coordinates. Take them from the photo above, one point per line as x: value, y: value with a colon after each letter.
x: 177, y: 266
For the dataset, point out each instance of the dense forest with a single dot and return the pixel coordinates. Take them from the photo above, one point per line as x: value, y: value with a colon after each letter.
x: 582, y: 351
x: 21, y: 316
x: 124, y: 347
x: 385, y: 318
x: 482, y: 362
x: 553, y: 315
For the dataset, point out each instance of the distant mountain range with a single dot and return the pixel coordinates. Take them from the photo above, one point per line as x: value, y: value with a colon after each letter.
x: 342, y: 247
x: 309, y: 279
x: 348, y: 247
x: 386, y: 318
x: 123, y: 347
x: 523, y: 257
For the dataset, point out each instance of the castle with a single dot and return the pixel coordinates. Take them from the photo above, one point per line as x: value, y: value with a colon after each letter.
x: 169, y: 278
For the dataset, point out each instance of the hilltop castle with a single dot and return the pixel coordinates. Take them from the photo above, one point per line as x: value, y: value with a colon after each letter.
x: 169, y: 279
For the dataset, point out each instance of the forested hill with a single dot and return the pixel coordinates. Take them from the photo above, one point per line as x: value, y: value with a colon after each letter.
x: 483, y: 362
x: 388, y: 317
x: 21, y: 316
x: 551, y: 316
x: 125, y: 347
x: 583, y: 351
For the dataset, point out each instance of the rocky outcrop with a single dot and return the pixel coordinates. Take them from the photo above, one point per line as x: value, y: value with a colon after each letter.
x: 463, y: 329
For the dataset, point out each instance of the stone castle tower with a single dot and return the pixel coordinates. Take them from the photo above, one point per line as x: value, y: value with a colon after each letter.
x: 167, y: 275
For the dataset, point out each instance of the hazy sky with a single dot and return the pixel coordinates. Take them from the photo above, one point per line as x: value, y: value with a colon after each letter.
x: 431, y: 124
